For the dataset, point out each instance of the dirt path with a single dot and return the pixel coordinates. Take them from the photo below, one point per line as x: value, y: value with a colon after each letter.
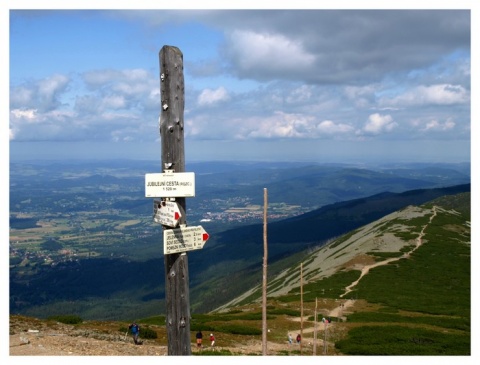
x: 335, y: 312
x: 367, y: 268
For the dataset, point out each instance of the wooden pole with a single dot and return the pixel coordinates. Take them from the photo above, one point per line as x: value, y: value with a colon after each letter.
x: 315, y: 330
x: 265, y: 255
x: 325, y: 338
x: 173, y: 158
x: 301, y: 307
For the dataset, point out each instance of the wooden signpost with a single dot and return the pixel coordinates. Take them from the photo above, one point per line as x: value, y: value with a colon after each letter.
x: 173, y: 185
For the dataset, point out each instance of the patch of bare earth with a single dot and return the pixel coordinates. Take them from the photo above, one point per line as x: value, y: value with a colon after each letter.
x: 358, y: 262
x: 30, y: 337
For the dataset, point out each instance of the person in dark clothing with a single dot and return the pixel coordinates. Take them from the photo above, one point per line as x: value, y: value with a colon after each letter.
x: 199, y: 336
x: 135, y: 329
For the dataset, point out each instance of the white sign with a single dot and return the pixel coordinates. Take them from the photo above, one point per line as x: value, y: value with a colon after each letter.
x: 170, y: 185
x: 166, y: 213
x: 184, y: 239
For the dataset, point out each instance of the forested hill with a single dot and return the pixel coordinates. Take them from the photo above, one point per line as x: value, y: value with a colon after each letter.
x: 315, y: 227
x: 236, y: 253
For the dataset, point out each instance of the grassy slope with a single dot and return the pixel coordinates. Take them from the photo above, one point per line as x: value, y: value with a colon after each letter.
x: 428, y: 297
x: 414, y: 306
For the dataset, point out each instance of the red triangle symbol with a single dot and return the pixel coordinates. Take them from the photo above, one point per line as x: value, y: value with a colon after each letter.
x: 177, y: 216
x: 205, y: 236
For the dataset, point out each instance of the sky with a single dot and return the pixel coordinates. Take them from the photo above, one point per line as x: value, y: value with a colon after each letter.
x: 317, y: 84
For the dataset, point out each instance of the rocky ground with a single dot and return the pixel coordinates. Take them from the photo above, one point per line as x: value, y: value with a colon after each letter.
x: 32, y: 337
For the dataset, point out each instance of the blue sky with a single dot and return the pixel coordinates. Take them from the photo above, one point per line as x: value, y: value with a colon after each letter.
x: 309, y: 85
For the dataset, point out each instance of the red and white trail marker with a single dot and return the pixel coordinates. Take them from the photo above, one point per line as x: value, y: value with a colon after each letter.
x: 184, y: 239
x: 167, y: 213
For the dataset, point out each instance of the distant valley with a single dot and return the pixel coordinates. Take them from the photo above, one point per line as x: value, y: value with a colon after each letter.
x: 82, y: 238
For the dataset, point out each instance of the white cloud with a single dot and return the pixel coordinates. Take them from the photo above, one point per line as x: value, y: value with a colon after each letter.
x: 28, y: 114
x: 21, y: 119
x: 440, y: 94
x: 210, y: 97
x: 283, y: 125
x: 127, y: 82
x: 113, y: 102
x: 361, y: 96
x: 378, y: 123
x: 329, y: 127
x: 48, y: 87
x: 267, y: 52
x: 21, y: 96
x: 100, y: 77
x: 436, y: 125
x: 43, y: 95
x: 300, y: 94
x: 289, y: 125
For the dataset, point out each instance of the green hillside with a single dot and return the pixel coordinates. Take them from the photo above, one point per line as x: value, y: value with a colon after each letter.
x: 236, y: 255
x: 414, y: 300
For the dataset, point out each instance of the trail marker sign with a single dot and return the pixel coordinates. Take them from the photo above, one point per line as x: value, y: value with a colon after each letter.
x: 184, y: 239
x: 170, y: 184
x: 167, y: 213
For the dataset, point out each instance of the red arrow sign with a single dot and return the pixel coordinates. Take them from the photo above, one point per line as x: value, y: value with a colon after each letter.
x: 166, y: 213
x: 184, y: 239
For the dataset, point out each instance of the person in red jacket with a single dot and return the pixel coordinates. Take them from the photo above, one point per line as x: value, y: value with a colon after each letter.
x: 212, y: 339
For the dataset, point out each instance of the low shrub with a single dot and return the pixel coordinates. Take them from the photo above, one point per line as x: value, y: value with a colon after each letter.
x: 148, y: 333
x: 236, y: 329
x: 215, y: 352
x: 398, y: 340
x: 66, y: 319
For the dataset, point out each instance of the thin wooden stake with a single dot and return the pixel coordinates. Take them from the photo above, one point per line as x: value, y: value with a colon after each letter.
x: 265, y: 256
x: 315, y: 330
x: 301, y: 307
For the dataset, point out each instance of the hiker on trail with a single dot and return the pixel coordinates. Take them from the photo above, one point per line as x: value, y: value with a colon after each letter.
x: 135, y: 329
x: 299, y: 338
x: 199, y: 336
x: 290, y: 339
x: 212, y: 339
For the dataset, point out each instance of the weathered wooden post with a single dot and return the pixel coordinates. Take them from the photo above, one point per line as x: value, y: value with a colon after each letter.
x: 173, y: 159
x: 315, y: 329
x: 173, y: 185
x: 265, y: 263
x: 301, y: 307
